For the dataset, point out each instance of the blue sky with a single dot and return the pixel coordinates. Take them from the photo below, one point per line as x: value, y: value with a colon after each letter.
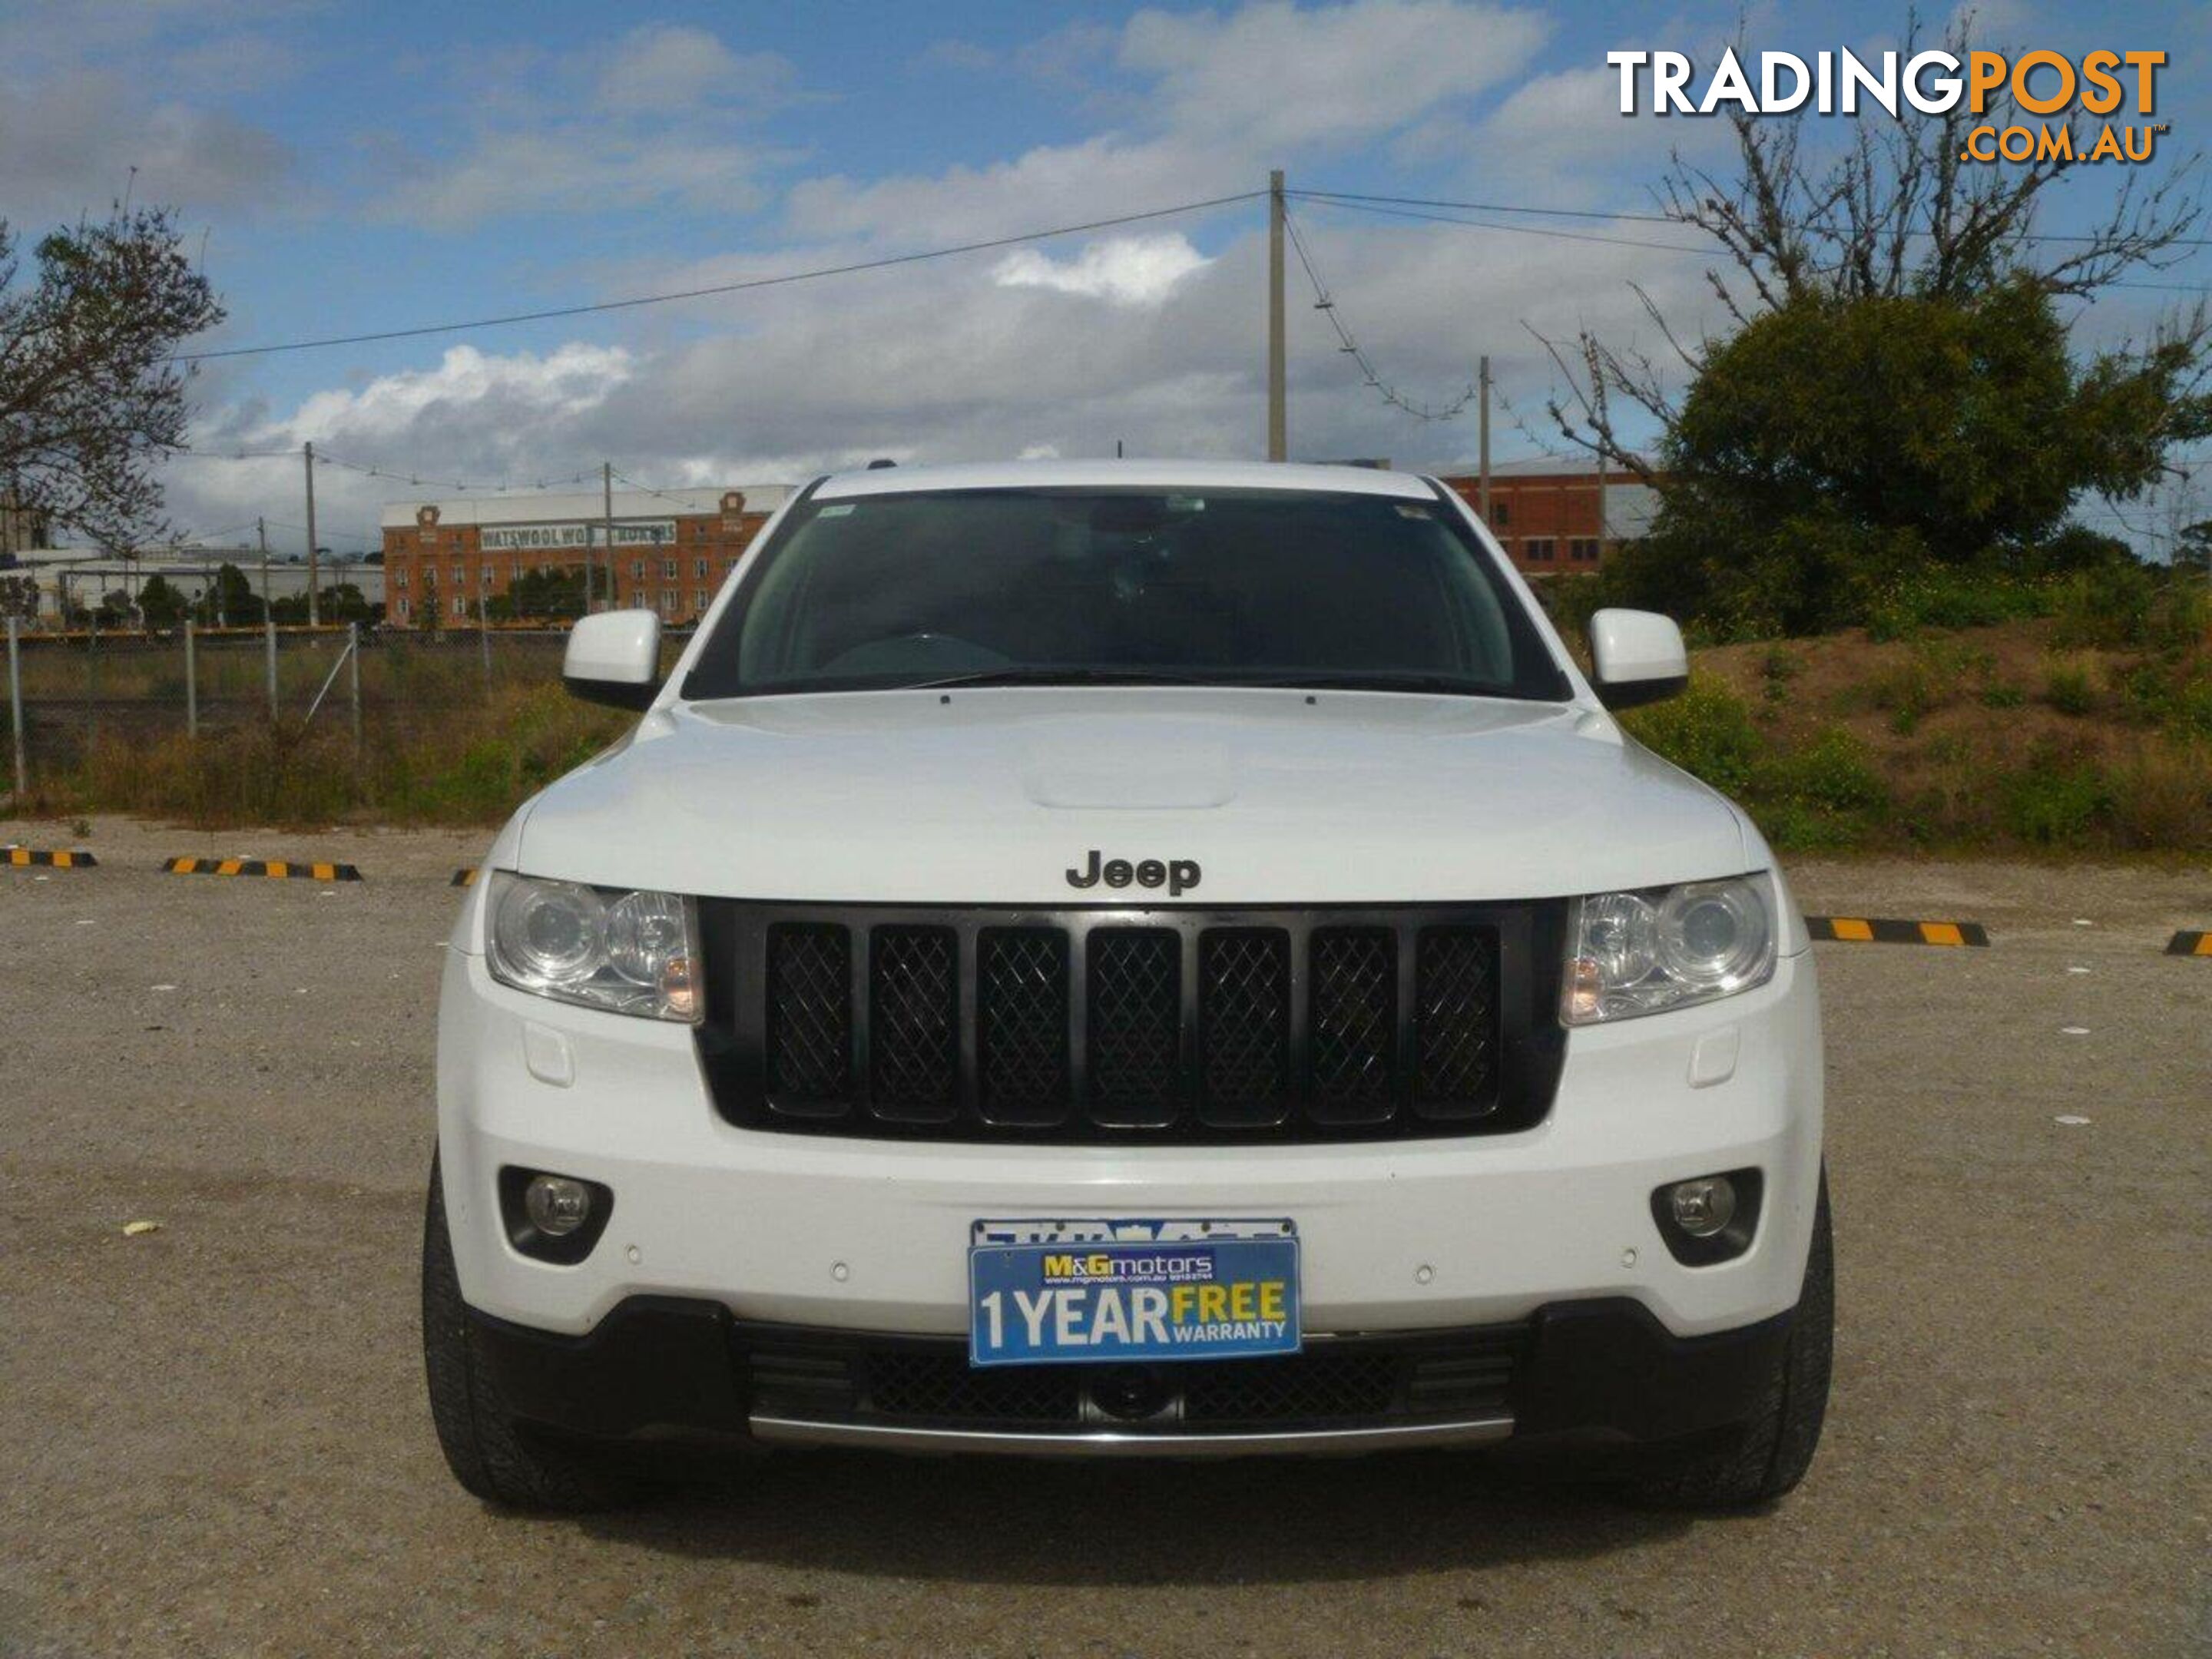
x: 357, y: 169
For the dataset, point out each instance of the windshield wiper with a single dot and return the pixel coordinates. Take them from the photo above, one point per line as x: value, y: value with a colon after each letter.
x: 1038, y: 674
x: 1434, y: 684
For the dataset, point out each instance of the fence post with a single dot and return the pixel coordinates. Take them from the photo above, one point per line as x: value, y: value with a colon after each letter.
x: 16, y: 704
x: 483, y: 637
x: 92, y: 674
x: 192, y: 685
x: 270, y: 628
x: 353, y: 653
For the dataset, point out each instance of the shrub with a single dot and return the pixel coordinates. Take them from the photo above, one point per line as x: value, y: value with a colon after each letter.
x: 2070, y: 688
x: 2054, y: 805
x: 1707, y: 731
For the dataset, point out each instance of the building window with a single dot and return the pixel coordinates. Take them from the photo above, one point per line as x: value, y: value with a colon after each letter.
x: 399, y: 579
x: 668, y: 605
x: 699, y: 599
x: 1501, y: 513
x: 486, y: 574
x: 1539, y: 549
x: 403, y: 611
x: 460, y: 605
x: 460, y: 575
x: 668, y: 570
x: 699, y: 569
x: 1583, y: 548
x: 637, y: 570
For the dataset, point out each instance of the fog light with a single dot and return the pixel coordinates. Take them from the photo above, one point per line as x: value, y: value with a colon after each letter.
x: 1701, y: 1208
x: 557, y: 1206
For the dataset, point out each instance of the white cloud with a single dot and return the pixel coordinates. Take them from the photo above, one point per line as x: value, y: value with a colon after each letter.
x: 68, y: 144
x: 1128, y: 271
x: 673, y: 68
x: 1271, y: 75
x: 467, y: 385
x: 664, y: 116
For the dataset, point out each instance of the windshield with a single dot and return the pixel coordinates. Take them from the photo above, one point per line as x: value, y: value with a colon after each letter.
x: 1092, y: 585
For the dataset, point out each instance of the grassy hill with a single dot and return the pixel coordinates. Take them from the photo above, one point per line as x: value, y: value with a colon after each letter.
x: 2062, y: 731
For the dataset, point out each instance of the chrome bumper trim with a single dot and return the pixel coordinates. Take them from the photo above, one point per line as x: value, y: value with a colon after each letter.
x: 1133, y: 1443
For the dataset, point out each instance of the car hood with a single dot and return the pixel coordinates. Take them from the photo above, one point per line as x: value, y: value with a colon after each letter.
x: 991, y: 796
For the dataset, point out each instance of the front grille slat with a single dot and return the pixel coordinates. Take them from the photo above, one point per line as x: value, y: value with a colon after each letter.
x: 1022, y: 1013
x: 913, y: 1016
x: 1243, y: 1024
x: 1134, y: 1025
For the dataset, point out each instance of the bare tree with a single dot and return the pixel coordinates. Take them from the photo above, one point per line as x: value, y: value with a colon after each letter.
x: 91, y: 399
x: 1897, y: 213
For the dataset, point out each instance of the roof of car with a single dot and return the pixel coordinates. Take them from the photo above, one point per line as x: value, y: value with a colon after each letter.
x: 1174, y: 475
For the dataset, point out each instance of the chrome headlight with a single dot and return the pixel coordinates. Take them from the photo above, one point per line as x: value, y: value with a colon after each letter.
x: 628, y: 952
x: 1667, y: 947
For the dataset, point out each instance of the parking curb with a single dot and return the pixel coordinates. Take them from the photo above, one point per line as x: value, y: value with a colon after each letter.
x: 463, y: 877
x: 280, y: 869
x: 34, y: 858
x: 1874, y: 930
x: 2190, y: 944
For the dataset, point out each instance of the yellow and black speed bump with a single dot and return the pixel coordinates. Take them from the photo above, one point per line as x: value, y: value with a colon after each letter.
x: 2191, y: 945
x: 28, y: 858
x: 1874, y: 930
x: 279, y: 868
x: 465, y: 877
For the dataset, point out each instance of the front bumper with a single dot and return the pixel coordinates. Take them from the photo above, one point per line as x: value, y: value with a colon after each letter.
x: 1597, y: 1375
x: 1397, y: 1236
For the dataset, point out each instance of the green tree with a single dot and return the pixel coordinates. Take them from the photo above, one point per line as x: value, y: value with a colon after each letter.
x: 542, y: 593
x: 2193, y: 547
x: 92, y: 400
x: 1897, y: 385
x: 229, y: 601
x: 160, y: 605
x: 1833, y: 446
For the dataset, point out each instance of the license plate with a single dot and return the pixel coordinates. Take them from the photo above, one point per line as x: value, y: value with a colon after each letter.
x: 1087, y: 1292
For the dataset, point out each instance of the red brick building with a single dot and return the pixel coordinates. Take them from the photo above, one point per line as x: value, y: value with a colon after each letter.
x: 672, y: 549
x: 1545, y: 513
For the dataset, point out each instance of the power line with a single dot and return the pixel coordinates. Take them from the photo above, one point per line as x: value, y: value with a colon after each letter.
x: 856, y: 266
x: 1326, y: 306
x: 1349, y: 196
x: 1338, y: 200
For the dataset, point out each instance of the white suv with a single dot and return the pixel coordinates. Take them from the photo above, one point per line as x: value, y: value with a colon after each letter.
x: 1128, y: 957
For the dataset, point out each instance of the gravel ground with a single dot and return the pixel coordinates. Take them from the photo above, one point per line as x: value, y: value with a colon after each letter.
x: 213, y: 1438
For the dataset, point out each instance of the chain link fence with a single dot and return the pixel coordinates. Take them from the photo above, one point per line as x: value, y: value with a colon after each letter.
x: 69, y: 693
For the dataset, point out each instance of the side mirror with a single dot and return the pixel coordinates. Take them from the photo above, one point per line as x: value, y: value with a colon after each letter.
x: 1636, y: 657
x: 614, y: 658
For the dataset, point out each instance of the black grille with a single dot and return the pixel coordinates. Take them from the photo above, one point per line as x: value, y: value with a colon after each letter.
x: 913, y: 1019
x: 1135, y: 1018
x: 1354, y: 982
x: 1022, y: 1039
x: 1342, y: 1381
x: 1130, y: 1025
x: 809, y: 1013
x: 1245, y: 1024
x: 1456, y: 981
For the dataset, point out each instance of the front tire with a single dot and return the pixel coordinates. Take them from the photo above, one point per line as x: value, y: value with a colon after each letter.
x: 491, y: 1453
x: 1777, y: 1447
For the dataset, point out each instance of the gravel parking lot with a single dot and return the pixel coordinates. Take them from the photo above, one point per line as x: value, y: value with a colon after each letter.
x: 213, y: 1438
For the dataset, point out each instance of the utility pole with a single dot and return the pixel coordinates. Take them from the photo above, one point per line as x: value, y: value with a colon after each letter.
x: 607, y: 484
x: 1278, y: 444
x: 314, y: 607
x: 1483, y: 427
x: 261, y: 530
